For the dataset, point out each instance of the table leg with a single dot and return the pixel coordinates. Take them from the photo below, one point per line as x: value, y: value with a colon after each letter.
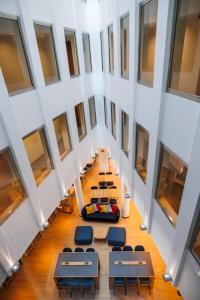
x: 110, y: 282
x: 97, y: 282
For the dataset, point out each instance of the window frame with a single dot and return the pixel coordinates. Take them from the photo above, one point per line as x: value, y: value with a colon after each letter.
x: 74, y: 32
x: 172, y: 44
x: 111, y: 110
x: 105, y: 105
x: 26, y: 55
x: 127, y: 14
x: 81, y: 138
x: 122, y: 132
x: 136, y: 149
x: 102, y: 50
x: 109, y: 50
x: 90, y: 54
x: 151, y: 85
x: 162, y: 146
x: 69, y: 135
x: 19, y: 177
x: 51, y: 26
x: 89, y: 99
x: 196, y: 230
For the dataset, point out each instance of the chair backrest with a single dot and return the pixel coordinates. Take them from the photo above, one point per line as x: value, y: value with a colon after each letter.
x: 113, y: 201
x: 101, y: 173
x: 103, y: 187
x: 127, y: 248
x: 108, y: 173
x: 113, y: 187
x: 116, y: 248
x: 90, y: 250
x: 104, y: 200
x: 110, y: 183
x: 102, y: 182
x: 67, y: 249
x: 94, y: 200
x: 139, y: 248
x: 94, y: 187
x: 78, y: 249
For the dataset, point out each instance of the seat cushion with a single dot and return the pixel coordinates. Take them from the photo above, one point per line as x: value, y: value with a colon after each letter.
x: 83, y: 235
x: 116, y: 236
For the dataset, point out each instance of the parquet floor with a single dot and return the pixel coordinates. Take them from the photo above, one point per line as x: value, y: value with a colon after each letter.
x: 35, y: 280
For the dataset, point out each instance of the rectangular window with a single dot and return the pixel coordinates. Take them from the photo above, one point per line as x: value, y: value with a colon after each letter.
x: 171, y: 181
x: 102, y: 51
x: 148, y: 23
x: 124, y: 24
x: 38, y: 154
x: 111, y: 49
x: 141, y: 155
x: 105, y: 111
x: 80, y: 121
x: 92, y: 109
x: 113, y: 119
x: 70, y: 41
x: 125, y: 132
x: 11, y: 188
x: 47, y: 53
x: 62, y: 135
x: 185, y: 64
x: 195, y: 245
x: 13, y: 61
x: 87, y: 52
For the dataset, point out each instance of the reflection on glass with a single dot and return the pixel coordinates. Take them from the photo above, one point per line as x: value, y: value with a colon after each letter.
x: 125, y: 132
x: 125, y: 46
x: 195, y: 247
x: 62, y: 135
x: 12, y: 57
x: 148, y: 22
x: 80, y: 121
x: 105, y: 111
x: 113, y: 119
x: 70, y: 41
x: 87, y: 52
x: 37, y: 151
x: 92, y: 110
x: 11, y: 189
x: 185, y: 68
x: 111, y: 49
x: 102, y: 51
x: 142, y: 147
x: 45, y: 44
x: 171, y: 181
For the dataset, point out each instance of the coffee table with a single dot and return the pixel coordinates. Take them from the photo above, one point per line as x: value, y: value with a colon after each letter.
x: 100, y: 234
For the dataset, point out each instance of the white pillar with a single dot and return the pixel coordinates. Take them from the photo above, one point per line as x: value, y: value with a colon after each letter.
x: 79, y: 195
x: 125, y: 202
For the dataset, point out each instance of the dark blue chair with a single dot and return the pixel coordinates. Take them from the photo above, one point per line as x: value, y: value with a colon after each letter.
x: 69, y: 283
x: 116, y: 248
x: 132, y: 282
x: 78, y: 249
x: 113, y: 201
x: 119, y: 282
x: 94, y: 200
x: 139, y: 248
x: 88, y: 284
x: 127, y: 248
x: 104, y: 200
x: 67, y: 249
x: 90, y: 250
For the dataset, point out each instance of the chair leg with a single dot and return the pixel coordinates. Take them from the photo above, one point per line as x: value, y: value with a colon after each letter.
x: 114, y: 290
x: 71, y: 292
x: 82, y: 292
x: 125, y: 289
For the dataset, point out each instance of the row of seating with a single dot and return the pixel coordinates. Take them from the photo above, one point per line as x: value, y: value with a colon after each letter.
x: 103, y: 187
x: 78, y: 283
x: 105, y: 173
x: 78, y: 249
x: 104, y: 200
x: 129, y: 281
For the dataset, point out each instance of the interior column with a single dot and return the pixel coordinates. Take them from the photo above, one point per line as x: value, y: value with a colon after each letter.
x: 125, y: 201
x: 79, y: 195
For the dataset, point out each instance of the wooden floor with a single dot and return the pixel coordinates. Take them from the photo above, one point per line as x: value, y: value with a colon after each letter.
x: 35, y: 280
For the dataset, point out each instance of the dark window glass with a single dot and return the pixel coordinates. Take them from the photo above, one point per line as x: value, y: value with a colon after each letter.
x: 142, y: 147
x: 102, y: 51
x: 87, y: 52
x: 171, y: 181
x: 111, y: 49
x: 105, y: 111
x: 125, y: 132
x: 148, y: 23
x: 195, y: 245
x: 80, y: 121
x: 92, y: 109
x: 70, y: 41
x: 38, y: 154
x: 11, y: 188
x: 125, y: 46
x: 113, y: 119
x: 12, y: 57
x: 185, y: 67
x: 62, y: 135
x: 47, y: 53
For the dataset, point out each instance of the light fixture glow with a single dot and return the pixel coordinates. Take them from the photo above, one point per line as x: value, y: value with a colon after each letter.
x: 143, y: 227
x: 127, y: 196
x: 167, y: 277
x: 15, y: 267
x: 45, y: 224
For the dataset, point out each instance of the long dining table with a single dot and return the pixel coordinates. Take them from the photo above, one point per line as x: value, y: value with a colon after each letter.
x: 130, y: 264
x: 77, y: 264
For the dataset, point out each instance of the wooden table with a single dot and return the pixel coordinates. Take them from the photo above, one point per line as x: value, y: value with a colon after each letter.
x: 135, y: 269
x: 71, y: 264
x: 100, y: 234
